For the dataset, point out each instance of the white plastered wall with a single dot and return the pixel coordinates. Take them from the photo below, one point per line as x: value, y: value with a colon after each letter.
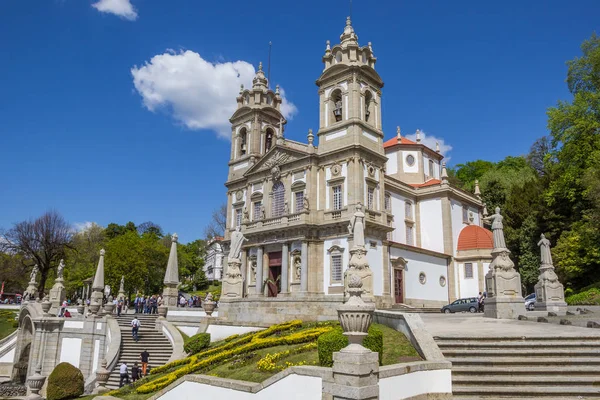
x: 375, y: 258
x: 433, y: 267
x: 327, y: 244
x: 432, y: 230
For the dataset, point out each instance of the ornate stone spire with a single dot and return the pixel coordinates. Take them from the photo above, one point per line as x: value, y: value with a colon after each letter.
x: 260, y: 81
x: 437, y: 147
x: 99, y: 277
x: 327, y: 47
x: 418, y: 133
x: 398, y: 134
x: 172, y: 273
x: 444, y: 173
x: 477, y: 192
x: 348, y: 37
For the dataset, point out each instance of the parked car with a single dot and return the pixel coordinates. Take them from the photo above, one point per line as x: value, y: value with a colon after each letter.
x: 530, y: 302
x: 461, y: 305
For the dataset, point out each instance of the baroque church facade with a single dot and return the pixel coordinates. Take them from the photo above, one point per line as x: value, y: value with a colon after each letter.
x: 293, y: 201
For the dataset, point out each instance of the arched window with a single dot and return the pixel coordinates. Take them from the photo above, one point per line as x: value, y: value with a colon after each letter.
x: 269, y: 139
x: 368, y: 102
x: 336, y: 99
x: 243, y: 141
x: 338, y: 57
x: 246, y: 98
x: 278, y: 200
x: 269, y: 99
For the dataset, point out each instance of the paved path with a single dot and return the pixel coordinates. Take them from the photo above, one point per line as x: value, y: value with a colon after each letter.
x: 475, y: 325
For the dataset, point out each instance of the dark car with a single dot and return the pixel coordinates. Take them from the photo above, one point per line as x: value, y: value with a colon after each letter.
x: 461, y: 305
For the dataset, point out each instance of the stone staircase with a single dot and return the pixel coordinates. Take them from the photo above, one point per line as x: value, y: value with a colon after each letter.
x: 150, y: 339
x: 523, y: 367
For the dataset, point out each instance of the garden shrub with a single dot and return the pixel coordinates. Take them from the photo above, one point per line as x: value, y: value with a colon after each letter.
x: 197, y: 343
x: 65, y: 382
x: 335, y: 340
x: 589, y: 297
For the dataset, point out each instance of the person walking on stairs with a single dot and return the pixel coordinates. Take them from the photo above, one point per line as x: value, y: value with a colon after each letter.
x: 124, y: 376
x: 135, y: 372
x: 145, y: 356
x: 135, y: 326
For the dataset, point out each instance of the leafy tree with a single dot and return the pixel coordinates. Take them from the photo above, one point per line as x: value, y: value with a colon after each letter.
x: 150, y: 227
x: 470, y: 171
x: 218, y: 223
x: 42, y: 241
x: 82, y: 258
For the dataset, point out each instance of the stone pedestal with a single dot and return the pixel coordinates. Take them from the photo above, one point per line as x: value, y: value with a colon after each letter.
x: 503, y: 285
x: 170, y: 295
x: 233, y: 283
x: 58, y: 294
x: 549, y: 292
x: 359, y: 266
x: 31, y: 291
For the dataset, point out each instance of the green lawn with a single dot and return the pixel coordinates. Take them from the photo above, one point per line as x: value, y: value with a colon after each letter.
x: 7, y: 323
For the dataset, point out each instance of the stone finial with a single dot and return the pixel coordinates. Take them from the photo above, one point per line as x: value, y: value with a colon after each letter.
x: 398, y: 133
x: 172, y: 272
x: 444, y: 173
x: 98, y: 284
x: 485, y: 210
x: 327, y: 46
x: 260, y: 66
x: 311, y: 137
x: 370, y: 46
x: 174, y: 238
x: 102, y: 252
x: 437, y: 147
x: 477, y: 191
x: 418, y: 133
x: 355, y: 315
x: 277, y: 90
x: 241, y: 88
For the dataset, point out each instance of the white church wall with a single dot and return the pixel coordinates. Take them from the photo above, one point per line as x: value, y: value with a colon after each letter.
x: 397, y: 204
x: 469, y: 287
x: 432, y: 230
x: 327, y: 244
x: 375, y: 258
x: 328, y: 200
x: 391, y: 166
x: 415, y: 167
x: 456, y: 213
x: 433, y: 267
x: 345, y: 175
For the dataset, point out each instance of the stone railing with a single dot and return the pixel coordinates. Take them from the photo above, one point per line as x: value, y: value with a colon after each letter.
x: 273, y: 221
x: 334, y: 214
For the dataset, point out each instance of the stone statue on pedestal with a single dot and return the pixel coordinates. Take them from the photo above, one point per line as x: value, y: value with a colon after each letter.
x: 31, y: 291
x: 58, y: 293
x: 121, y: 295
x: 359, y: 264
x: 233, y: 282
x: 237, y: 240
x: 549, y: 292
x: 497, y: 229
x: 357, y: 226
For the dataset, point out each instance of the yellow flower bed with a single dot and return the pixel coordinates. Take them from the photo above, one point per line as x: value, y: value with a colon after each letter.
x: 269, y: 362
x: 211, y: 357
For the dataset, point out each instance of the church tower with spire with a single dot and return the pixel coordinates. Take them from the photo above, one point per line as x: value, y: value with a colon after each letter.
x: 256, y: 125
x: 350, y: 95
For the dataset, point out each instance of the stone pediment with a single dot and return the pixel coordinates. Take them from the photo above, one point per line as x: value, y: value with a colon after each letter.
x: 276, y: 157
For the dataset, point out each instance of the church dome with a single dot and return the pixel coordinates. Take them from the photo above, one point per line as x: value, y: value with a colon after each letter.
x: 474, y: 237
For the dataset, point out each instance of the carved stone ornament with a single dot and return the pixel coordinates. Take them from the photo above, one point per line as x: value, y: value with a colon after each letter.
x: 238, y: 195
x: 275, y: 173
x: 336, y: 169
x: 371, y: 170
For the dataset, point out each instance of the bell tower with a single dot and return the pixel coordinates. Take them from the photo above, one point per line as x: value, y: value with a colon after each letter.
x: 349, y: 96
x: 256, y: 125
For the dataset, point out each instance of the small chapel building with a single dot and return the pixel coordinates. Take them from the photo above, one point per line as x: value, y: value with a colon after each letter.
x: 293, y: 201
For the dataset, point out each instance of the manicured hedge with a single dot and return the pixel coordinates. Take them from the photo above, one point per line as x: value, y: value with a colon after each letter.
x: 197, y: 343
x: 589, y: 297
x: 335, y: 340
x: 65, y: 382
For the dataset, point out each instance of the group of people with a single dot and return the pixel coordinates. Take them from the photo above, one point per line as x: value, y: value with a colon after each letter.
x: 481, y: 301
x: 136, y: 371
x: 147, y: 304
x: 193, y: 301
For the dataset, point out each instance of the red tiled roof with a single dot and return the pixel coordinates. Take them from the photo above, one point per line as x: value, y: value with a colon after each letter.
x: 394, y: 141
x: 428, y: 183
x: 475, y: 237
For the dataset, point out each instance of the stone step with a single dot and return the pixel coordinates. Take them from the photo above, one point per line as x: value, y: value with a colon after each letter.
x: 581, y: 370
x: 559, y: 361
x: 524, y: 381
x: 547, y: 352
x: 517, y: 345
x: 553, y: 392
x: 512, y: 339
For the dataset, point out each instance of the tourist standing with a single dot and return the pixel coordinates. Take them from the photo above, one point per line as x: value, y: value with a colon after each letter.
x: 135, y: 326
x: 135, y: 372
x: 119, y: 307
x: 145, y: 356
x: 123, y: 374
x: 182, y: 301
x: 479, y: 300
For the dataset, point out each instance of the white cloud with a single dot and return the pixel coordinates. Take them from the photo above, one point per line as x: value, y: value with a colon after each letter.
x: 82, y: 226
x: 122, y: 8
x: 198, y: 93
x: 430, y: 141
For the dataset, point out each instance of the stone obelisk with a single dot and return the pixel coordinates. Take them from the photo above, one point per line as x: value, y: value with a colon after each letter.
x: 98, y: 285
x: 549, y: 292
x: 503, y: 283
x: 171, y: 281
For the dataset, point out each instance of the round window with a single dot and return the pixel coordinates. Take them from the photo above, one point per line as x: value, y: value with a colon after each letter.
x: 410, y: 160
x: 442, y: 281
x: 422, y: 278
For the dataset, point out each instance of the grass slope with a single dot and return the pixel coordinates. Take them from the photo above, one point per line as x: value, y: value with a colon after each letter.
x: 7, y: 323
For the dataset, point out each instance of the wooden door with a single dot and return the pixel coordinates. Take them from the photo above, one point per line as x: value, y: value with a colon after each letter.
x: 274, y: 284
x: 399, y: 285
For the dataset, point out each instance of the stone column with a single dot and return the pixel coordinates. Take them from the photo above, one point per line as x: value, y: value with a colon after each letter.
x: 304, y: 268
x: 285, y: 268
x: 259, y: 271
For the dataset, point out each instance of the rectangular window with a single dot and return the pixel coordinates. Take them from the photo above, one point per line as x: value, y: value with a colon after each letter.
x: 370, y: 198
x: 408, y: 213
x: 336, y: 268
x: 409, y: 235
x: 431, y: 168
x: 337, y: 197
x: 299, y: 198
x: 238, y: 217
x: 465, y: 214
x: 468, y: 270
x: 388, y: 202
x: 256, y: 211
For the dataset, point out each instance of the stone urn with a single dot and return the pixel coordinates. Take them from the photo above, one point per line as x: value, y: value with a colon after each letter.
x: 102, y: 375
x: 355, y: 315
x: 81, y: 309
x: 209, y: 305
x: 21, y: 371
x: 46, y: 306
x: 162, y: 311
x: 94, y: 307
x: 35, y: 383
x: 109, y: 308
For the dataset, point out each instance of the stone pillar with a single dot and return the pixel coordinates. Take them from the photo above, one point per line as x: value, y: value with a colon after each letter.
x: 232, y: 283
x: 304, y: 268
x: 170, y: 294
x: 259, y: 272
x: 285, y: 268
x: 97, y: 295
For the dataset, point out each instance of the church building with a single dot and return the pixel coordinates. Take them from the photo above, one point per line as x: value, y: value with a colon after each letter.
x: 293, y: 201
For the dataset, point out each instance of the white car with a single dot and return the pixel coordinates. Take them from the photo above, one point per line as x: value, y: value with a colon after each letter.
x: 530, y: 302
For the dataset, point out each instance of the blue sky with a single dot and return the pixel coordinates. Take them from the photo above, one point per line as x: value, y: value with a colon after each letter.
x: 102, y: 117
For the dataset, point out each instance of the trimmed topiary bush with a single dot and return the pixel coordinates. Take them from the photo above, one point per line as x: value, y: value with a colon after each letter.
x: 65, y: 382
x: 197, y: 343
x: 335, y: 340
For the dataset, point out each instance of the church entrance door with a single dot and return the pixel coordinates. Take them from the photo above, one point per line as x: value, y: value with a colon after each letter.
x: 274, y: 281
x: 399, y: 285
